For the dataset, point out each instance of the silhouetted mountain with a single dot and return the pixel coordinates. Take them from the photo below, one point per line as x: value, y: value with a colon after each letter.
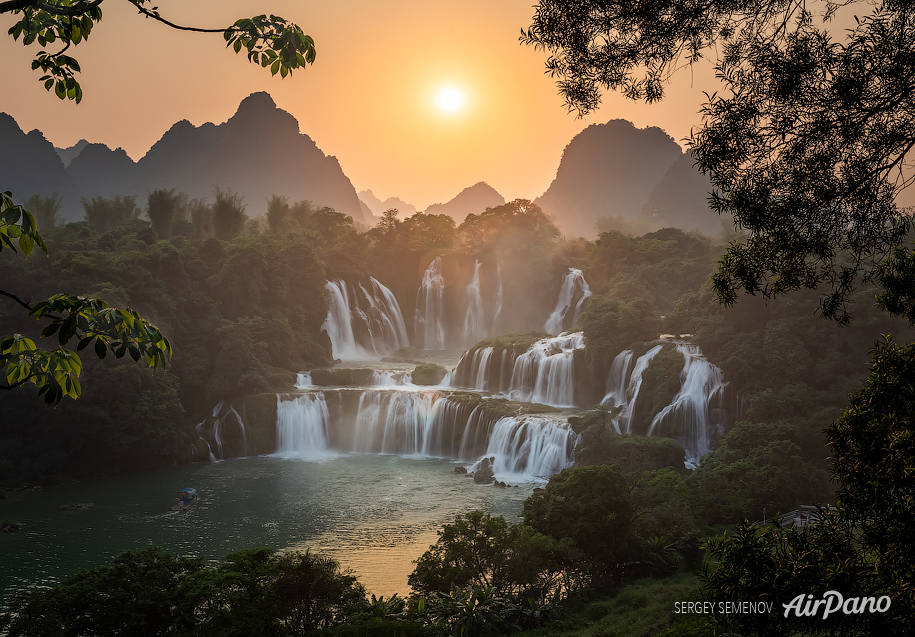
x: 607, y: 170
x: 473, y: 200
x: 377, y: 206
x: 29, y: 165
x: 69, y: 154
x: 257, y: 153
x: 100, y: 171
x: 680, y: 200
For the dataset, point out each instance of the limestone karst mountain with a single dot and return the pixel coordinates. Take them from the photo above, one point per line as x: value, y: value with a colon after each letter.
x: 607, y: 170
x: 258, y: 152
x: 472, y: 200
x: 680, y: 200
x: 377, y: 206
x: 29, y: 165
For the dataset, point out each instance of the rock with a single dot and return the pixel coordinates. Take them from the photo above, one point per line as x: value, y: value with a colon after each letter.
x: 428, y: 374
x: 537, y: 489
x: 461, y: 470
x: 484, y: 475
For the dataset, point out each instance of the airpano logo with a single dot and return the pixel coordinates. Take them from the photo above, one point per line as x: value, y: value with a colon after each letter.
x: 833, y: 602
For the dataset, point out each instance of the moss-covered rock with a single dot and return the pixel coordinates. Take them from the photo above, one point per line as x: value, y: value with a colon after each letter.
x: 601, y: 445
x: 428, y: 374
x: 341, y: 376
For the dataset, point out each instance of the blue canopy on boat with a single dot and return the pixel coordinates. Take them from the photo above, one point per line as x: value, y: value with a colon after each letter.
x: 188, y: 491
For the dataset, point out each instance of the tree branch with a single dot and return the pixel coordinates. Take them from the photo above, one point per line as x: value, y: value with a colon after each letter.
x: 57, y: 10
x: 17, y: 299
x: 157, y: 17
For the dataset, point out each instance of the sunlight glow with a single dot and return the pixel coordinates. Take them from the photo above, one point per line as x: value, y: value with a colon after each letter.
x: 450, y: 99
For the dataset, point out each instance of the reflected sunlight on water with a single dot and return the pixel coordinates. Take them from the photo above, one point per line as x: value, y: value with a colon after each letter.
x: 374, y: 514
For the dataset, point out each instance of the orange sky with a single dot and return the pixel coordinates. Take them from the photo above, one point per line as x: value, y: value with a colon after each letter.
x: 368, y: 100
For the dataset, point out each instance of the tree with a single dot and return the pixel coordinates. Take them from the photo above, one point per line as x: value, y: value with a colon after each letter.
x: 269, y: 41
x: 163, y: 207
x: 228, y: 215
x: 591, y: 507
x: 108, y: 214
x: 805, y: 143
x: 45, y: 209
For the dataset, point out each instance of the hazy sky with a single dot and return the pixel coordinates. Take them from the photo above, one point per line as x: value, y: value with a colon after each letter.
x: 369, y: 99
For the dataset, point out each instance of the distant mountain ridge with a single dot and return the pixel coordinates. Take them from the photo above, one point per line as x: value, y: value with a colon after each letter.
x: 472, y: 200
x: 378, y: 207
x: 258, y: 152
x: 607, y: 170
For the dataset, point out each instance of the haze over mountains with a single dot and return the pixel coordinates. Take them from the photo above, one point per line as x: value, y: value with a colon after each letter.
x: 257, y: 153
x: 610, y: 175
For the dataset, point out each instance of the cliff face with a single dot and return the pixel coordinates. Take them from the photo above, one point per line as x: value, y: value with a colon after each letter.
x: 473, y: 200
x: 29, y: 165
x: 680, y: 200
x: 607, y: 170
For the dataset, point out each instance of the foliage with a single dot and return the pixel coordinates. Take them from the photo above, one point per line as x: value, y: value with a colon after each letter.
x: 269, y: 41
x: 804, y: 143
x: 591, y: 507
x: 18, y: 224
x: 601, y: 445
x: 149, y: 592
x: 163, y: 207
x: 228, y: 215
x: 611, y: 326
x: 46, y: 209
x: 108, y: 214
x: 483, y: 552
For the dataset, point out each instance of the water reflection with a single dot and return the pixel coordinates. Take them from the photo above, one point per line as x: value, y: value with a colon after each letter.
x: 375, y: 514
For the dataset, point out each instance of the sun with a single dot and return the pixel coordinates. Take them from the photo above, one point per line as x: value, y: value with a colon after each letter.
x: 450, y: 99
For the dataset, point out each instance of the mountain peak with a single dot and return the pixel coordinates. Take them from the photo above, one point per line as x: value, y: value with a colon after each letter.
x: 257, y: 102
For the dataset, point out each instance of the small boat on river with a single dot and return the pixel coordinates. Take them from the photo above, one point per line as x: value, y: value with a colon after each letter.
x: 187, y: 499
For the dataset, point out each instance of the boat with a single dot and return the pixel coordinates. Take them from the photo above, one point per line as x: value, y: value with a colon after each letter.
x: 187, y: 499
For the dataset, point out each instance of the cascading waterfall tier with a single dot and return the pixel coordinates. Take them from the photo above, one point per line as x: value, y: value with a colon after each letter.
x: 424, y: 423
x: 363, y: 323
x: 429, y: 319
x: 697, y: 413
x: 474, y: 322
x: 573, y: 296
x: 224, y: 433
x: 545, y: 373
x: 628, y: 398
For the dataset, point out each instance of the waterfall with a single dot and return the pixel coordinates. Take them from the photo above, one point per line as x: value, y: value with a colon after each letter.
x: 474, y: 327
x: 497, y: 302
x: 691, y: 415
x: 572, y: 282
x: 364, y: 324
x: 199, y: 429
x: 546, y: 372
x: 339, y: 323
x: 429, y: 320
x: 302, y: 427
x: 526, y: 447
x: 624, y: 423
x: 617, y: 380
x: 303, y: 380
x: 398, y: 423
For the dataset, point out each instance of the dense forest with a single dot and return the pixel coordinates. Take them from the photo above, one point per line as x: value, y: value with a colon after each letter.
x: 244, y: 302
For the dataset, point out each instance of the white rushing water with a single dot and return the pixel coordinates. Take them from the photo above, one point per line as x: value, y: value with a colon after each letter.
x: 303, y: 380
x: 429, y: 319
x: 302, y: 427
x: 572, y: 283
x: 624, y: 423
x: 363, y: 323
x: 474, y: 321
x: 423, y: 423
x: 546, y: 372
x: 694, y: 416
x: 497, y: 303
x: 618, y: 380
